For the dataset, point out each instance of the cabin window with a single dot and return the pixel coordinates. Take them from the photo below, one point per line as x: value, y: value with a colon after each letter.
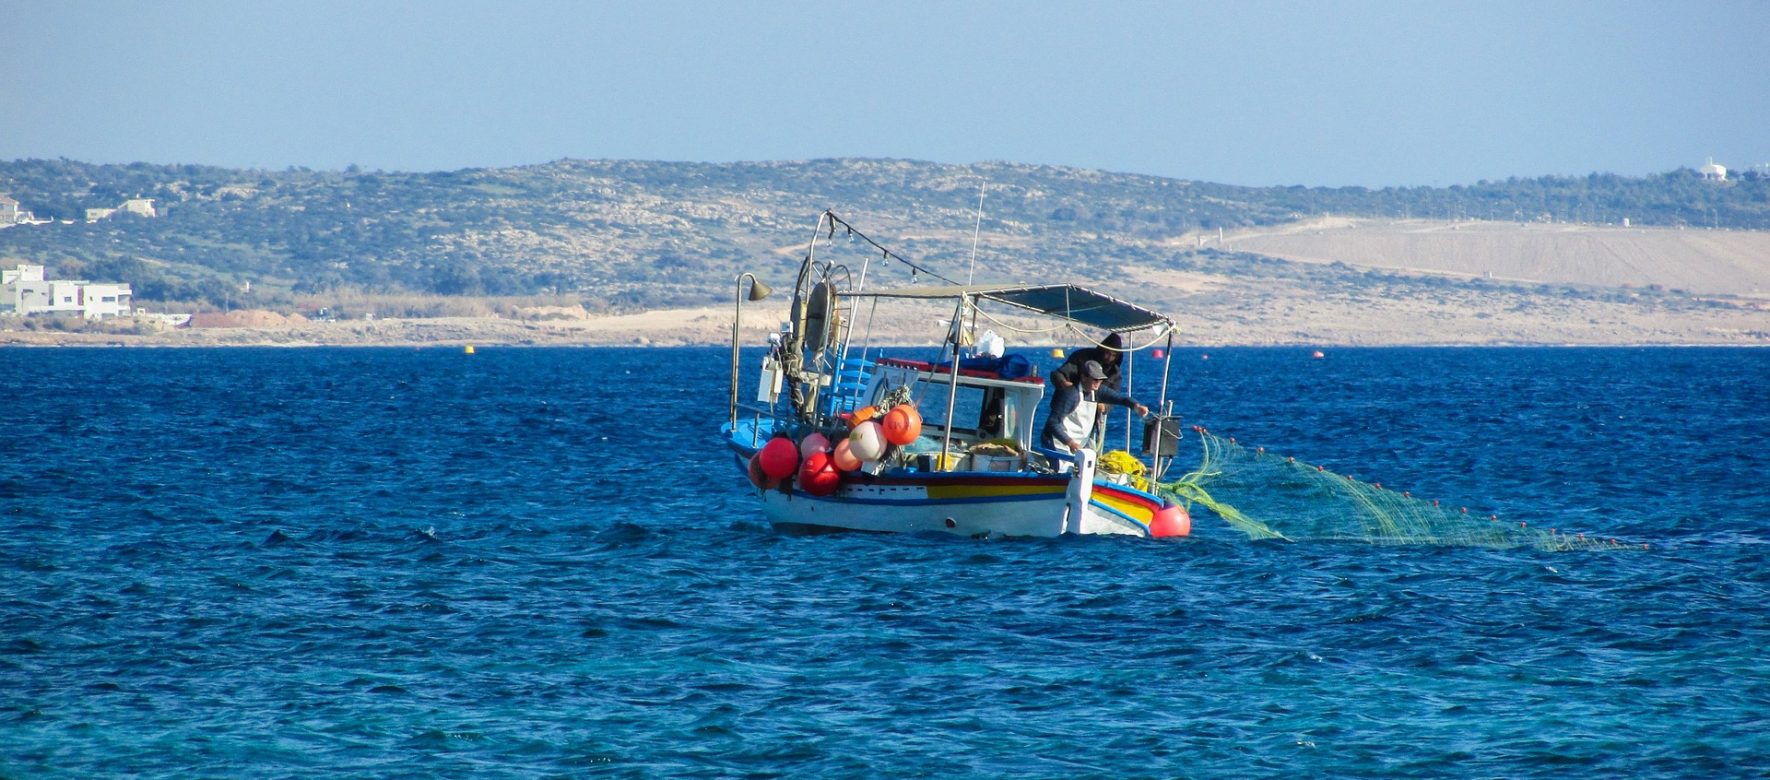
x: 978, y: 411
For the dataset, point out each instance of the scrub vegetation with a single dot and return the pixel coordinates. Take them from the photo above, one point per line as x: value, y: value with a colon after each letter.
x: 621, y: 236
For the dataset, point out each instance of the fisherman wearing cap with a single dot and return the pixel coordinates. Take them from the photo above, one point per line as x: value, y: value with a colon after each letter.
x: 1075, y: 411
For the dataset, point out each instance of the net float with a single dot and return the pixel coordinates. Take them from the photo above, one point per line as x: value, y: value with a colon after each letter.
x: 843, y: 456
x: 812, y: 444
x: 779, y: 458
x: 758, y: 477
x: 1169, y: 521
x: 867, y: 442
x: 902, y: 425
x: 818, y: 476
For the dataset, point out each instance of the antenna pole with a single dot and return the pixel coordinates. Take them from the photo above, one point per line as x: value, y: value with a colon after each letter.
x: 975, y: 229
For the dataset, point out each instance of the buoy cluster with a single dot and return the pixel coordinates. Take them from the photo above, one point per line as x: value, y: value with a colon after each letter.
x: 816, y: 463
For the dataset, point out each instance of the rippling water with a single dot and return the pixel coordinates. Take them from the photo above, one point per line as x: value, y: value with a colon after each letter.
x: 539, y: 562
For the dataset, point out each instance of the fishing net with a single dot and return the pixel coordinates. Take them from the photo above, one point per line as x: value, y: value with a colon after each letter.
x: 1269, y: 496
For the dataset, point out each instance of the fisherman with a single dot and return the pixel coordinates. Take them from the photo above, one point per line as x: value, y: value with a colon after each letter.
x: 1075, y: 410
x: 1110, y: 355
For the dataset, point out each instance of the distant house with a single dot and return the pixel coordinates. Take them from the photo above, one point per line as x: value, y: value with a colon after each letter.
x: 1713, y: 171
x: 138, y: 206
x: 25, y: 291
x: 11, y: 214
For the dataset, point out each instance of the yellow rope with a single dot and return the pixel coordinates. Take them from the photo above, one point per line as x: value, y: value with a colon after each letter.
x: 1122, y: 462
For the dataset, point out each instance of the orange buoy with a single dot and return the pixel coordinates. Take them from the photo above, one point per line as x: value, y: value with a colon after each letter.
x: 867, y: 442
x: 779, y: 458
x: 1170, y: 520
x: 818, y: 476
x: 863, y: 414
x: 843, y: 456
x: 813, y: 444
x: 902, y: 425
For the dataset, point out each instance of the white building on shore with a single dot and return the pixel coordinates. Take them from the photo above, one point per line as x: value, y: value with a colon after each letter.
x: 24, y: 291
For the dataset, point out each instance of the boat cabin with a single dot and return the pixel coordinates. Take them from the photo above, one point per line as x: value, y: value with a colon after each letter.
x: 988, y: 408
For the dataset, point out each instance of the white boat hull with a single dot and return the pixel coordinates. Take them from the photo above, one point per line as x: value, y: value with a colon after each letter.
x: 967, y: 504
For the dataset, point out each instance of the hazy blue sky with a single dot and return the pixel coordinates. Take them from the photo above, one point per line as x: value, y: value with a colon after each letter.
x: 1332, y: 93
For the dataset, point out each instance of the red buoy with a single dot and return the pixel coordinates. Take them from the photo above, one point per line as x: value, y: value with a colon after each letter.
x: 818, y: 476
x: 779, y: 457
x: 1170, y: 520
x: 758, y: 477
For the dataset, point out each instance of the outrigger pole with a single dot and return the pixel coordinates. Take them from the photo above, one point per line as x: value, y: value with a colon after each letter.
x: 952, y: 380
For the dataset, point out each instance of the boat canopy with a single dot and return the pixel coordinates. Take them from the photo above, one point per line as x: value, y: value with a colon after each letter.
x: 1076, y: 304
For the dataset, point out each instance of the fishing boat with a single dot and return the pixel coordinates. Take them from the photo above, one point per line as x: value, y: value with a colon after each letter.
x: 843, y: 435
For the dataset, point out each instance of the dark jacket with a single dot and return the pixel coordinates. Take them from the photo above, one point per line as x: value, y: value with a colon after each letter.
x: 1071, y: 370
x: 1064, y: 401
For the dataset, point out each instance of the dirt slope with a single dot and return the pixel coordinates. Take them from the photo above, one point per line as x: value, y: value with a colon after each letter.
x: 1711, y: 262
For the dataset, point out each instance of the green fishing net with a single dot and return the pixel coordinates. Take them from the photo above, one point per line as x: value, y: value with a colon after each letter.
x: 1268, y: 496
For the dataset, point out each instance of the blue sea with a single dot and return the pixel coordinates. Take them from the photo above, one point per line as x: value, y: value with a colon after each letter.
x: 534, y: 562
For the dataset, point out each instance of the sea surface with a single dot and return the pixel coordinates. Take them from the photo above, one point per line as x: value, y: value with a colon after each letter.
x: 543, y: 563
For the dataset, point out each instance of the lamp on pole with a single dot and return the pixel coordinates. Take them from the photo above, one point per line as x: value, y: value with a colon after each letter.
x: 758, y: 291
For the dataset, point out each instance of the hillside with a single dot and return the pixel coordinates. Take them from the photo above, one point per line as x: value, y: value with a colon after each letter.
x: 619, y: 237
x: 1700, y: 261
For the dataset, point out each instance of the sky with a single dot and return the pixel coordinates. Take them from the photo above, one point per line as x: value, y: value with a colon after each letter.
x: 1352, y: 92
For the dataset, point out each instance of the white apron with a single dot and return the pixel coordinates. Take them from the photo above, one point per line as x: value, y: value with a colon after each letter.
x: 1078, y: 425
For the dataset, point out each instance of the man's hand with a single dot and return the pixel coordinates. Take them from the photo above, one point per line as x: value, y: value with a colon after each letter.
x: 1142, y: 410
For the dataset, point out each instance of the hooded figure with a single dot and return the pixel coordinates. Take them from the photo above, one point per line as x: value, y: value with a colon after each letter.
x: 1109, y: 355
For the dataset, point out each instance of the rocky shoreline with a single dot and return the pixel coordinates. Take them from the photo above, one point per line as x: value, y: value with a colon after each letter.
x: 1269, y: 321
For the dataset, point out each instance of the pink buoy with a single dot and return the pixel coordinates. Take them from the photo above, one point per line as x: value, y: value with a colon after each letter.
x: 812, y: 444
x: 1170, y: 520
